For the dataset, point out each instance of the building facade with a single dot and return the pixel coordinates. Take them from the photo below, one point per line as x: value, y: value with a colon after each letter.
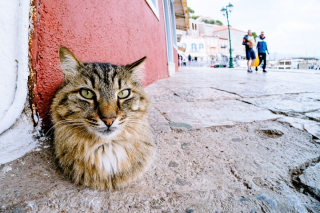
x: 238, y: 50
x: 207, y: 42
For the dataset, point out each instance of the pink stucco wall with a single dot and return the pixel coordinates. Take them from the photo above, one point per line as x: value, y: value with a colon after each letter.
x: 118, y: 32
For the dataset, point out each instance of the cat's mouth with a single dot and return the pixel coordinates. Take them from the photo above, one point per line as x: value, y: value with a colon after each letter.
x: 106, y: 131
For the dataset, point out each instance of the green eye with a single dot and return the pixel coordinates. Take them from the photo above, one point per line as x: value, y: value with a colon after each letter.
x: 86, y: 93
x: 124, y: 94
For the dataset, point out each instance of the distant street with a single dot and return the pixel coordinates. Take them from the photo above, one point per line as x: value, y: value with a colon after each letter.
x: 202, y: 97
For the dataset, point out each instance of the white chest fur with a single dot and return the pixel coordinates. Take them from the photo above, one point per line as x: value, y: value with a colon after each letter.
x: 110, y: 156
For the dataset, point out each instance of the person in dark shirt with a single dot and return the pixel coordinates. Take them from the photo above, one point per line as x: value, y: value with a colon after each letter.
x: 262, y: 49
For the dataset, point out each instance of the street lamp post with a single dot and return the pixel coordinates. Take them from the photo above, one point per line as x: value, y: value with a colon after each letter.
x: 226, y: 11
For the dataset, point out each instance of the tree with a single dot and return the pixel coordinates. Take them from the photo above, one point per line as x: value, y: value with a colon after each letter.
x: 211, y: 21
x: 254, y: 35
x: 190, y: 11
x: 194, y: 17
x: 219, y: 22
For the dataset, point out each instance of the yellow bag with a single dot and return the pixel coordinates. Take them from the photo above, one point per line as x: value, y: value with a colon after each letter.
x: 256, y: 62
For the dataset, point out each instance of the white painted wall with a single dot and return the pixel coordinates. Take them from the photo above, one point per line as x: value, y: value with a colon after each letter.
x: 14, y: 22
x: 200, y: 53
x: 236, y: 41
x: 9, y: 70
x: 15, y: 140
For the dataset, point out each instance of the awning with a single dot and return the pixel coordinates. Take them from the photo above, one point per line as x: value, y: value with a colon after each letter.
x: 181, y: 14
x: 181, y: 49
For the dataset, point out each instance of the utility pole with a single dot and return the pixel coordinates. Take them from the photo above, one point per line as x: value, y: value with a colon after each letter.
x: 225, y: 12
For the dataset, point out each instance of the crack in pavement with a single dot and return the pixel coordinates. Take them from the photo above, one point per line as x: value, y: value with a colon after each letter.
x: 261, y: 96
x: 295, y: 179
x: 233, y: 93
x: 240, y: 179
x: 165, y: 117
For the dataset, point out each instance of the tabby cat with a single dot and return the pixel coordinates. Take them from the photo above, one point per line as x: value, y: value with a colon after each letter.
x: 102, y: 138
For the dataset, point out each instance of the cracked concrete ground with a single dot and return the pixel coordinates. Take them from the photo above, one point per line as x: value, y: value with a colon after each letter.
x: 228, y: 141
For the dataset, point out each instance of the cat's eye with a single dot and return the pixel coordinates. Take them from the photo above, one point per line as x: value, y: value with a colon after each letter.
x: 124, y: 94
x: 86, y: 93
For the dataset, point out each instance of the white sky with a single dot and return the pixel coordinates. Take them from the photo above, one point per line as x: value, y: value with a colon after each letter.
x: 292, y: 27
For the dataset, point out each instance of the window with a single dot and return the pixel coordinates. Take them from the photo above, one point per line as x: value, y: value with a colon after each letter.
x: 153, y: 4
x: 193, y: 47
x: 200, y: 46
x: 192, y: 26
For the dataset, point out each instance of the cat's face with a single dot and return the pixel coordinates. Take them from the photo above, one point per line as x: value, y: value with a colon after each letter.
x: 98, y: 98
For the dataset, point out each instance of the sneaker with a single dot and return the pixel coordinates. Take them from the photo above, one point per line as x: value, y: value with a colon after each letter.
x: 249, y: 70
x: 264, y: 70
x: 256, y: 68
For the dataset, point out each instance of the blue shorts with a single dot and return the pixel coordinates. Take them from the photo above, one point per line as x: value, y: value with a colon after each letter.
x: 250, y: 54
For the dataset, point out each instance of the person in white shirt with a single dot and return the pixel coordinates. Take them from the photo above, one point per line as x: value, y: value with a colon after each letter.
x: 249, y: 42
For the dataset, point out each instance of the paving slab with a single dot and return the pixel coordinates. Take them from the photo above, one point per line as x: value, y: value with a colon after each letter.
x: 314, y: 115
x: 217, y: 113
x: 313, y: 129
x: 310, y: 126
x: 200, y: 94
x: 157, y: 121
x: 311, y: 178
x: 163, y: 95
x: 287, y: 103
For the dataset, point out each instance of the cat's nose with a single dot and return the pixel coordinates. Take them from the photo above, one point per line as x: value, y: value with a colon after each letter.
x: 109, y: 120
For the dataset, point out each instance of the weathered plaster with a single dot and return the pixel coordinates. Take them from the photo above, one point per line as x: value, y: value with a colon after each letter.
x: 118, y: 32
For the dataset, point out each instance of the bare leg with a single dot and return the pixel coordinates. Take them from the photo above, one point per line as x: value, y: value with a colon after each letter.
x: 252, y: 62
x: 248, y: 64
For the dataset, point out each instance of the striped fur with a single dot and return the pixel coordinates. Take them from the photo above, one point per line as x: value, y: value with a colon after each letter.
x: 87, y: 151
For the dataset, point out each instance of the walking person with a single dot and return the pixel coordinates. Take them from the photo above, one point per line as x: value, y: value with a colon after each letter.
x: 184, y: 62
x: 189, y: 59
x: 262, y: 49
x: 249, y: 42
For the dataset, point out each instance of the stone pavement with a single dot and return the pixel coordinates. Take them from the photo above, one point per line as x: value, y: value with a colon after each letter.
x: 228, y: 141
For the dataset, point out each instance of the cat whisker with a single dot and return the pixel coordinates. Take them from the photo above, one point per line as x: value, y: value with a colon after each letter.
x: 54, y: 126
x: 136, y: 122
x: 66, y: 121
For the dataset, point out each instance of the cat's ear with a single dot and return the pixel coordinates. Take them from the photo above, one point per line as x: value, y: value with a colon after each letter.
x: 137, y: 68
x: 68, y: 61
